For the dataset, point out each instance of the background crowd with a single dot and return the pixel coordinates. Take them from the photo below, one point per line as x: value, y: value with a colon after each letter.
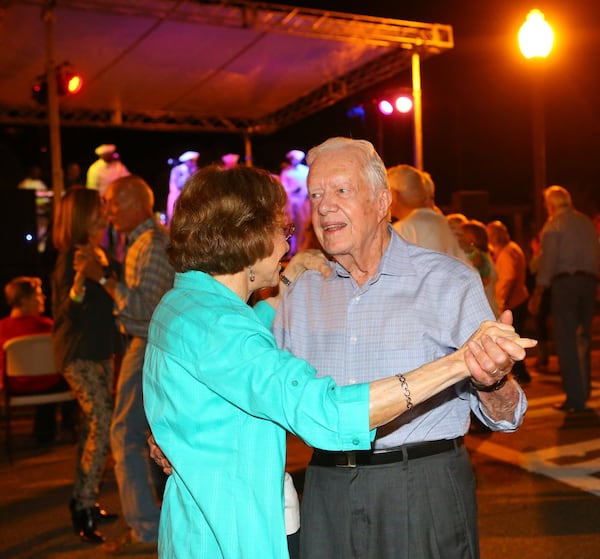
x: 110, y: 268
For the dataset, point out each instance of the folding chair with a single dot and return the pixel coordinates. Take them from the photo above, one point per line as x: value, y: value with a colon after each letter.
x: 28, y: 356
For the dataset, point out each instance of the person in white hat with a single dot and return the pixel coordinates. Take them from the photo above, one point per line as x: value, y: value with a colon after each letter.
x: 293, y: 178
x: 100, y: 174
x: 187, y: 165
x: 107, y: 168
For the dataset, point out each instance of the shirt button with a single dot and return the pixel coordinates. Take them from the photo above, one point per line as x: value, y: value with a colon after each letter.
x: 355, y: 442
x: 294, y: 383
x: 353, y: 339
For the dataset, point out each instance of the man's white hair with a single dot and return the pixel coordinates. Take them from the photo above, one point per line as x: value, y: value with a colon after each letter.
x: 371, y: 164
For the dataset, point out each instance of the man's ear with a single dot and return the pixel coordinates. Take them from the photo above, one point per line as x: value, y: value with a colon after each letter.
x: 384, y: 202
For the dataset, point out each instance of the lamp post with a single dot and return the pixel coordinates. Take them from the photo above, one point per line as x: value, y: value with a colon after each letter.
x: 535, y: 41
x: 416, y: 107
x: 418, y: 110
x: 53, y: 109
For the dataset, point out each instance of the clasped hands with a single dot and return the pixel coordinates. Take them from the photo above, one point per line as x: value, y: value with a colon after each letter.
x: 492, y: 350
x: 88, y: 261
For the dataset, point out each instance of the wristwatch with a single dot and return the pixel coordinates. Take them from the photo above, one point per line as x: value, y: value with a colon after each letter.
x: 480, y: 387
x: 285, y: 280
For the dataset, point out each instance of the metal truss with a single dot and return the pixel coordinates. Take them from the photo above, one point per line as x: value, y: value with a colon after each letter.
x: 275, y: 18
x: 380, y: 69
x: 150, y: 120
x: 400, y: 38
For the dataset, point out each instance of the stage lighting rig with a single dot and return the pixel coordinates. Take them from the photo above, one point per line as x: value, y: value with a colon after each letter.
x: 68, y: 82
x: 401, y: 102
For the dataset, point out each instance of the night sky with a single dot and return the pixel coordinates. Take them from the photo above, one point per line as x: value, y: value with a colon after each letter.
x: 476, y: 109
x: 477, y: 98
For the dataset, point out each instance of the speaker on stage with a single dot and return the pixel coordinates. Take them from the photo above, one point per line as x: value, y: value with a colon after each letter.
x: 18, y: 234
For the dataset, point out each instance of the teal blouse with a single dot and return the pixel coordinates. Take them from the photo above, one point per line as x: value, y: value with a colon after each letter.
x: 219, y: 396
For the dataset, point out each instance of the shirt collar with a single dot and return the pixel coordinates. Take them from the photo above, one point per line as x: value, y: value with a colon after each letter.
x: 394, y: 262
x: 201, y: 281
x: 148, y: 223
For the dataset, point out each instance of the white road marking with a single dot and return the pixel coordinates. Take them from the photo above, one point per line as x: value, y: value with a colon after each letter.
x: 576, y: 464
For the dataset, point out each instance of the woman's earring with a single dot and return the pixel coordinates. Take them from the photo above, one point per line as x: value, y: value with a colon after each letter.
x: 252, y: 275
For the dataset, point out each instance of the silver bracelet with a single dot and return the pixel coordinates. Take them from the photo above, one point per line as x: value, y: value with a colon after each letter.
x: 406, y: 389
x: 285, y: 280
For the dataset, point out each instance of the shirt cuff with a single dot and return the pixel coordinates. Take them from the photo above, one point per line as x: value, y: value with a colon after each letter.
x: 502, y: 424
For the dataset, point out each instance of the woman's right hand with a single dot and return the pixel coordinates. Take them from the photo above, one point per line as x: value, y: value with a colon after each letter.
x: 87, y: 263
x: 157, y: 455
x: 310, y: 259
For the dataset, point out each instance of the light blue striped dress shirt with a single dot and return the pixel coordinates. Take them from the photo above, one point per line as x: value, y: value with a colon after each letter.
x: 420, y: 306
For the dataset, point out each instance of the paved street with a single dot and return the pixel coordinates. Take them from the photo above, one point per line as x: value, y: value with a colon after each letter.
x: 539, y: 488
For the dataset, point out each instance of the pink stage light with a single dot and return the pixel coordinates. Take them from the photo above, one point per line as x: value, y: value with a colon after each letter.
x: 385, y: 107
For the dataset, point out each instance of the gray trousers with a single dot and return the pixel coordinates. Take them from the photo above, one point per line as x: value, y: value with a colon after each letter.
x: 138, y: 477
x: 416, y: 509
x: 573, y: 299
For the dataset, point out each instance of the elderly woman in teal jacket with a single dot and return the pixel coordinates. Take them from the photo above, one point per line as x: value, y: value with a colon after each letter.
x: 220, y: 396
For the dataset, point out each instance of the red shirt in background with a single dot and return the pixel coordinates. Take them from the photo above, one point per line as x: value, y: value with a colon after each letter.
x: 12, y: 327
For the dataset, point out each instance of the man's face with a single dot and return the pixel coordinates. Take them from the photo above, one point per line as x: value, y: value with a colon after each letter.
x: 549, y: 208
x: 345, y: 213
x: 96, y: 228
x: 121, y: 209
x: 192, y: 165
x: 109, y: 157
x: 34, y: 304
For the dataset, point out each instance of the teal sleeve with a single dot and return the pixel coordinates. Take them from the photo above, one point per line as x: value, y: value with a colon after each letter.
x: 228, y: 358
x: 265, y: 313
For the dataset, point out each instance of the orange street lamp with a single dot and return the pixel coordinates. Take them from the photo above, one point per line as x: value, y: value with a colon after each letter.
x: 535, y: 41
x: 536, y: 36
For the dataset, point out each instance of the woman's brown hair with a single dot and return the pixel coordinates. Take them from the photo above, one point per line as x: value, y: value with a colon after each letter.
x: 224, y: 220
x: 75, y: 211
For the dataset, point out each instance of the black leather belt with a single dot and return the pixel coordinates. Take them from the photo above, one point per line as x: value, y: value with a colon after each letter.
x: 571, y: 274
x: 354, y: 458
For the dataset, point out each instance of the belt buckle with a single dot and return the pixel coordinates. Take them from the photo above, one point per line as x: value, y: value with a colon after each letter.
x: 350, y: 460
